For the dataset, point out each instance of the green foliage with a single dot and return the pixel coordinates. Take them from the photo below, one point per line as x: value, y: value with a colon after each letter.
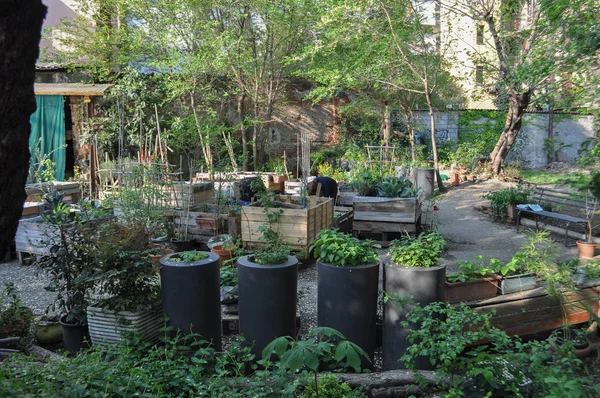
x: 476, y: 269
x: 228, y: 276
x: 421, y: 251
x: 274, y: 251
x: 69, y: 264
x: 325, y: 347
x: 396, y: 187
x: 337, y: 248
x: 329, y: 386
x: 189, y: 256
x: 538, y: 255
x: 11, y: 310
x: 503, y: 198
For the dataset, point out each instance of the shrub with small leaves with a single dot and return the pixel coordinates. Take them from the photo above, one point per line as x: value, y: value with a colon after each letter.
x: 337, y: 248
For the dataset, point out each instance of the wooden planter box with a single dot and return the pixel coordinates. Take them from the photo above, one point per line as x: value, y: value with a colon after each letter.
x: 517, y: 283
x: 297, y: 227
x: 533, y: 311
x: 347, y: 197
x: 107, y: 327
x: 342, y: 218
x: 472, y: 290
x: 383, y: 215
x: 200, y: 226
x: 293, y: 187
x: 35, y: 236
x: 185, y: 195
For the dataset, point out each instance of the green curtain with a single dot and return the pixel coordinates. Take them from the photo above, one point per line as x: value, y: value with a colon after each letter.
x: 48, y: 133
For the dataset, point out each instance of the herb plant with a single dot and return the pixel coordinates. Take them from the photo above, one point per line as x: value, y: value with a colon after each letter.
x: 189, y: 256
x: 473, y: 270
x: 337, y: 248
x: 11, y: 310
x: 501, y: 199
x: 421, y: 251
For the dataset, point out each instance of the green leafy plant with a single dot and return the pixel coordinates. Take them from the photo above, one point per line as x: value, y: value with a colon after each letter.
x: 122, y: 270
x: 329, y: 386
x: 421, y: 251
x: 501, y: 199
x: 189, y: 256
x: 12, y: 311
x: 476, y: 269
x: 325, y: 348
x: 396, y: 187
x: 538, y: 255
x: 229, y: 276
x: 337, y: 248
x: 69, y: 263
x: 275, y: 251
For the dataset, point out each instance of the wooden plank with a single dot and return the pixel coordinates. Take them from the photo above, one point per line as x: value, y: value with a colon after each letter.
x: 407, y: 207
x: 251, y: 229
x: 376, y: 216
x: 379, y: 227
x: 539, y: 312
x: 284, y: 219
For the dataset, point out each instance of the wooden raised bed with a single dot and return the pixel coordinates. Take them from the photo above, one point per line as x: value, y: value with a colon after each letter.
x: 384, y: 215
x: 534, y: 311
x: 185, y: 194
x: 186, y: 221
x: 297, y: 227
x: 34, y: 236
x: 342, y: 218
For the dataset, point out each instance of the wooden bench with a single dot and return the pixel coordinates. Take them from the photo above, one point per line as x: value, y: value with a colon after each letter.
x: 561, y: 200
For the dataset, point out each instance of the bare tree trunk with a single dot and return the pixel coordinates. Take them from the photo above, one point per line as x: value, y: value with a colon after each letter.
x: 517, y: 104
x: 386, y: 129
x: 20, y: 34
x: 255, y: 143
x: 240, y: 111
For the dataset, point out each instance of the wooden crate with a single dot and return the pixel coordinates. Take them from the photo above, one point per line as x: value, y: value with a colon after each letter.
x: 184, y: 194
x: 293, y: 187
x: 342, y: 218
x: 297, y: 227
x: 533, y: 311
x: 71, y: 190
x: 35, y: 236
x: 384, y: 215
x: 187, y: 221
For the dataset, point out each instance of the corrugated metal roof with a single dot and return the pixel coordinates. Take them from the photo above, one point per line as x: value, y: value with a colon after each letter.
x: 70, y: 89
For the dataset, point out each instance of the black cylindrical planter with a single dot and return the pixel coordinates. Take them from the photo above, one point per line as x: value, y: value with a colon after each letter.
x: 191, y: 296
x: 75, y: 336
x: 425, y: 285
x: 424, y: 179
x: 347, y: 301
x: 267, y: 301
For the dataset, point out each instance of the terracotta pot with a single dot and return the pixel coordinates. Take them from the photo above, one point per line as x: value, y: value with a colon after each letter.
x: 280, y: 179
x: 224, y: 254
x: 455, y: 179
x: 511, y: 211
x: 582, y: 349
x: 586, y: 250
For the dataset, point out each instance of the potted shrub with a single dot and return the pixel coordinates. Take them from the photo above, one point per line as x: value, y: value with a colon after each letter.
x: 191, y: 294
x: 504, y: 201
x: 474, y: 280
x: 14, y: 317
x: 68, y: 267
x: 128, y: 286
x: 575, y: 337
x: 348, y: 272
x: 412, y: 271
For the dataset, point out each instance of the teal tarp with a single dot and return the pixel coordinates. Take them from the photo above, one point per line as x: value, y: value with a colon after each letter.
x: 48, y: 133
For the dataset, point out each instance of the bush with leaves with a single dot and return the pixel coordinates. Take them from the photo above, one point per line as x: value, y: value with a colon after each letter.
x: 396, y: 187
x: 421, y: 251
x: 343, y: 250
x: 501, y: 199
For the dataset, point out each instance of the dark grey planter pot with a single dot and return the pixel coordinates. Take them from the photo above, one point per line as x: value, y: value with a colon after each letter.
x: 347, y: 301
x: 76, y: 337
x: 191, y: 296
x: 267, y: 301
x: 425, y: 285
x: 424, y: 179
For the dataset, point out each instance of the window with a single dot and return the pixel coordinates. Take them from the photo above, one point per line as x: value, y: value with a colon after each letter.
x: 479, y: 74
x: 480, y: 34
